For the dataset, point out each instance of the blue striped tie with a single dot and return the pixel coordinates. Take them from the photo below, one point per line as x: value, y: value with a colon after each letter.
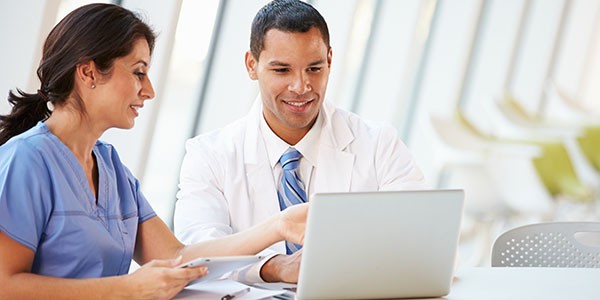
x: 291, y: 188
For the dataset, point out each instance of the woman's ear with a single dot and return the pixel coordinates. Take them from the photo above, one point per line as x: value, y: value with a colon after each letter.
x: 251, y: 64
x: 86, y: 73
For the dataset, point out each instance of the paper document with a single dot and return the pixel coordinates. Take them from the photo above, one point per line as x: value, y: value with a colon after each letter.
x: 218, y: 288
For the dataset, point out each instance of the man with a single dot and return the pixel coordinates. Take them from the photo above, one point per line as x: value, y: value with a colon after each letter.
x: 231, y: 178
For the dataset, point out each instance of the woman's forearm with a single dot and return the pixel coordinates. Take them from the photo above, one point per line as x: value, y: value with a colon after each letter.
x: 286, y: 225
x: 32, y: 286
x: 247, y: 242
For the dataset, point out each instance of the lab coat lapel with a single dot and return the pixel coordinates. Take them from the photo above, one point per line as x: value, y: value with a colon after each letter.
x: 334, y: 164
x: 259, y: 176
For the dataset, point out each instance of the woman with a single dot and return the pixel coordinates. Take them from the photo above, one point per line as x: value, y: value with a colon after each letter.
x: 71, y: 215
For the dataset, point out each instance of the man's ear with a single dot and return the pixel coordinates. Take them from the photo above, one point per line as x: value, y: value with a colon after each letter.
x: 86, y: 73
x: 329, y: 56
x: 251, y: 65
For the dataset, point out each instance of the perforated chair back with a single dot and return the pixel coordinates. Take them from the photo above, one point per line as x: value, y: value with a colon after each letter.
x: 555, y: 245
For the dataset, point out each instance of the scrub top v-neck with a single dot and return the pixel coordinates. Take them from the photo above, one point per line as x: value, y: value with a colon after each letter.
x: 47, y: 205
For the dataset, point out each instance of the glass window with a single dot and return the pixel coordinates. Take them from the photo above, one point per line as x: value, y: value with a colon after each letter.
x: 391, y: 65
x: 535, y: 54
x: 178, y: 104
x: 355, y: 52
x: 491, y: 61
x: 66, y: 6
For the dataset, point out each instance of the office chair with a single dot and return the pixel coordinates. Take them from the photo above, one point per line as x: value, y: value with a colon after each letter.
x: 551, y: 245
x: 589, y: 142
x: 485, y: 170
x: 556, y: 167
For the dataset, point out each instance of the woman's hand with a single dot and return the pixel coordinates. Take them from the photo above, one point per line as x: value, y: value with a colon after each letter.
x: 292, y: 222
x: 161, y: 279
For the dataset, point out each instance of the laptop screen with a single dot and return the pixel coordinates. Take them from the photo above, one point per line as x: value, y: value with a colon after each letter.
x: 395, y: 244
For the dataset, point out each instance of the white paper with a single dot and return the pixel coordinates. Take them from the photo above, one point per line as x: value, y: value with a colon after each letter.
x: 219, y: 288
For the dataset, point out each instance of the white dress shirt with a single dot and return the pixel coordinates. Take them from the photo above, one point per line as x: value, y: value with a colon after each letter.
x: 308, y: 146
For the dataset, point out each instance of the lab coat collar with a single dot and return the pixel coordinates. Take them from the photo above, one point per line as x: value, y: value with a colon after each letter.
x: 334, y: 163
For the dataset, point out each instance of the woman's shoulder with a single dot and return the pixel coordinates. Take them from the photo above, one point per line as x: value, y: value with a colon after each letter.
x: 29, y: 145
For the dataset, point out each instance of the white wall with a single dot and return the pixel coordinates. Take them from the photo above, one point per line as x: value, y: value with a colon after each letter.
x: 23, y: 29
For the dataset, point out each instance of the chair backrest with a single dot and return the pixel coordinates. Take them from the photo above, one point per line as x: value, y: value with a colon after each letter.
x: 556, y: 171
x: 589, y: 144
x: 555, y: 245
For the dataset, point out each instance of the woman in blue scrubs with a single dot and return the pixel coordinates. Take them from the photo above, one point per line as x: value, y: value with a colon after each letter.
x: 72, y: 216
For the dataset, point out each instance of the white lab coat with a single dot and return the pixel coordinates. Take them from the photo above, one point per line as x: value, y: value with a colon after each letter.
x: 227, y: 183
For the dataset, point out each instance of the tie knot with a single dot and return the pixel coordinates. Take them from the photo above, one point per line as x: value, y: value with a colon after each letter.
x: 289, y: 159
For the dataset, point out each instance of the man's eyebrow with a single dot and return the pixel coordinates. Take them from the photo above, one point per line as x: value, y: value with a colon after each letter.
x: 277, y: 63
x: 318, y: 62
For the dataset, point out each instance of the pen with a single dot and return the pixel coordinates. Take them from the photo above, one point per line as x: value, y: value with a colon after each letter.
x: 236, y: 294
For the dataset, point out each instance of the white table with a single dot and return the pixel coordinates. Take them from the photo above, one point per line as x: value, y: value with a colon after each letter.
x: 525, y: 283
x: 500, y: 284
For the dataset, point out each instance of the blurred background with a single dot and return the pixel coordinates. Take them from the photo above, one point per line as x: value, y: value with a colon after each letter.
x: 498, y: 97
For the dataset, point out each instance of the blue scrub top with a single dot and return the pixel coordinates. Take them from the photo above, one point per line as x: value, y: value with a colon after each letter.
x: 46, y: 204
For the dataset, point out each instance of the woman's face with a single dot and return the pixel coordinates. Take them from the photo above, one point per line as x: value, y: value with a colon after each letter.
x: 119, y: 95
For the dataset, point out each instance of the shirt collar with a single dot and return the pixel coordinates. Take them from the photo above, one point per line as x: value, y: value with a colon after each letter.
x: 308, y: 145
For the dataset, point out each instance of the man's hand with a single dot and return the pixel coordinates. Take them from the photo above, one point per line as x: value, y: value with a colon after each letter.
x: 282, y: 268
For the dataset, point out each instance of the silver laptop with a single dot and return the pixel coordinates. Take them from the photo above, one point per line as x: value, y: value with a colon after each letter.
x: 376, y: 245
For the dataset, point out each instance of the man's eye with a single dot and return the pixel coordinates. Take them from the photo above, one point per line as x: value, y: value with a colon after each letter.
x: 315, y: 69
x: 281, y: 70
x: 140, y: 75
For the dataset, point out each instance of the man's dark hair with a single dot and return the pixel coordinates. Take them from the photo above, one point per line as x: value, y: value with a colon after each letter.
x: 287, y: 16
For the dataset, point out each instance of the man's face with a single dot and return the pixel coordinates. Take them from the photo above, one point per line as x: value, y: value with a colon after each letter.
x: 292, y: 73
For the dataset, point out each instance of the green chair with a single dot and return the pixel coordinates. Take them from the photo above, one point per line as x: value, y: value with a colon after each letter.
x: 589, y: 143
x: 553, y: 165
x: 556, y: 172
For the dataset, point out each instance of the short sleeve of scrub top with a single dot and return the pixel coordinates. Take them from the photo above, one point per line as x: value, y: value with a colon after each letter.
x: 46, y: 204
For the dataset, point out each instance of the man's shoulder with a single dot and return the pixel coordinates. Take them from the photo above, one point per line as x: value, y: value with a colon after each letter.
x: 357, y: 124
x: 230, y: 132
x: 220, y: 142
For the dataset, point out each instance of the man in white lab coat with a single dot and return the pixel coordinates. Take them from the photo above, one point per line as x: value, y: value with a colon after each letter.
x: 230, y: 177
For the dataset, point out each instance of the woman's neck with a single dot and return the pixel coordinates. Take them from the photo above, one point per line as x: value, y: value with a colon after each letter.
x: 75, y: 131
